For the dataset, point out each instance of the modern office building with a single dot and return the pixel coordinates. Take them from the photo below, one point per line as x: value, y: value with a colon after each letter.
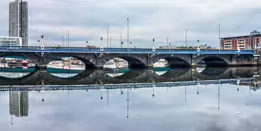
x: 19, y: 103
x: 10, y: 41
x: 18, y: 20
x: 247, y: 42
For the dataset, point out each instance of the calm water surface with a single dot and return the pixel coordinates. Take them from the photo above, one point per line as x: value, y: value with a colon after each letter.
x: 216, y: 107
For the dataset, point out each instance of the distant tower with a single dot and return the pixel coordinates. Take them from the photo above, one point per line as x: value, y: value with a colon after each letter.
x: 18, y: 20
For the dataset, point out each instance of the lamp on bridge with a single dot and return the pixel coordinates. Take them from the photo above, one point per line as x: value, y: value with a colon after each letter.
x: 42, y: 46
x: 153, y: 48
x: 101, y: 48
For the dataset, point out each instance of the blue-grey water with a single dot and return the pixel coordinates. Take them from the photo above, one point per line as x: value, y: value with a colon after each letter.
x: 210, y: 107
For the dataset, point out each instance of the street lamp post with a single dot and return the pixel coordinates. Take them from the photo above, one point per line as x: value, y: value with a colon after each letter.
x: 42, y: 36
x: 186, y: 31
x: 128, y: 35
x: 167, y: 41
x: 153, y: 41
x: 219, y: 37
x: 68, y: 38
x: 108, y: 36
x: 62, y: 41
x: 101, y: 42
x: 121, y: 42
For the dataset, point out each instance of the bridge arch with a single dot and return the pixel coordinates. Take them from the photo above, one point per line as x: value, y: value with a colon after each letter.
x: 134, y: 61
x: 87, y: 61
x: 174, y: 60
x: 213, y: 60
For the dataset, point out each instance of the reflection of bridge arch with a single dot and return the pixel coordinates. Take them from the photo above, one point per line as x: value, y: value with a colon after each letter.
x: 245, y: 72
x: 78, y: 76
x: 182, y: 74
x: 42, y: 77
x: 129, y: 75
x: 212, y: 74
x: 19, y: 78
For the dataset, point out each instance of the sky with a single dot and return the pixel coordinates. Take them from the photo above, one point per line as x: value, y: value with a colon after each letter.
x: 87, y: 20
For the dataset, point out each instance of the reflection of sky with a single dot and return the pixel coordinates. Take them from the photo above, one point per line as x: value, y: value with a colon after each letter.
x: 65, y: 75
x: 14, y: 74
x: 81, y: 110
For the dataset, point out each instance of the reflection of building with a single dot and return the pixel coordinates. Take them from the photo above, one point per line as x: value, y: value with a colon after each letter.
x: 18, y: 19
x: 10, y: 41
x: 242, y: 42
x: 19, y: 103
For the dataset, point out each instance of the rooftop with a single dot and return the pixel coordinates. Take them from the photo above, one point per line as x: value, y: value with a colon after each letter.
x: 253, y: 33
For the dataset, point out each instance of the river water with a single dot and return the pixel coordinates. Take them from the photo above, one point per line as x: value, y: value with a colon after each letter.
x: 190, y: 100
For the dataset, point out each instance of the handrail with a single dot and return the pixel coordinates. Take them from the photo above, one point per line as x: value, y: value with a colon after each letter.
x: 124, y: 50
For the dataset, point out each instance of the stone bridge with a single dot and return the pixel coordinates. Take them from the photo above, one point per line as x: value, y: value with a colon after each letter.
x: 139, y: 60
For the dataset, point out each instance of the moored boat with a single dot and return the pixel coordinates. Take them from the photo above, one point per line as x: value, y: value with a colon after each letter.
x: 161, y: 65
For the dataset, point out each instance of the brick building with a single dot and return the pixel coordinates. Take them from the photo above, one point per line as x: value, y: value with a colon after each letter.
x: 247, y: 42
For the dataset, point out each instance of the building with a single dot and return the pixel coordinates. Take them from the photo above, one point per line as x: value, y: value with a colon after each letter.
x: 19, y: 103
x: 247, y: 42
x: 18, y: 20
x: 10, y: 41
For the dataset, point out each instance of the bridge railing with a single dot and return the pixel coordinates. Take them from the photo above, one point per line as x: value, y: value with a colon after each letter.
x: 123, y: 50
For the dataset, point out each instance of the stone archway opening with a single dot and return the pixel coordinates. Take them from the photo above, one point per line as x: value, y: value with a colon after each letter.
x: 175, y: 62
x: 66, y: 67
x: 212, y: 61
x: 16, y: 66
x: 133, y: 63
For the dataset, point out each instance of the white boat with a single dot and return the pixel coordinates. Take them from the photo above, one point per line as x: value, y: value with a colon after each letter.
x: 110, y: 65
x: 162, y: 63
x: 161, y: 67
x: 56, y: 64
x: 120, y: 63
x: 77, y: 67
x: 115, y: 63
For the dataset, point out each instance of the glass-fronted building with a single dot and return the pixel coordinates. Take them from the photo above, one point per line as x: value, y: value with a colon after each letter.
x: 10, y: 41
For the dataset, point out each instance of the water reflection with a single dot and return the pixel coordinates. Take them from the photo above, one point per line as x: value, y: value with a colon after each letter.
x: 64, y: 75
x: 174, y: 100
x: 14, y: 74
x: 19, y: 103
x: 89, y: 77
x: 140, y: 104
x: 117, y: 72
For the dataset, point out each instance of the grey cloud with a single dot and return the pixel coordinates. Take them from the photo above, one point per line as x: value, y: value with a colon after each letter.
x: 149, y: 19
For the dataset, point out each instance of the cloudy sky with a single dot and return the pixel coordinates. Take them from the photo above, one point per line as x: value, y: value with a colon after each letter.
x: 87, y: 20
